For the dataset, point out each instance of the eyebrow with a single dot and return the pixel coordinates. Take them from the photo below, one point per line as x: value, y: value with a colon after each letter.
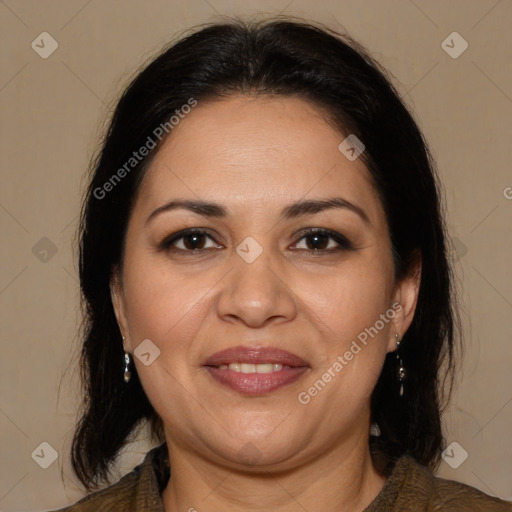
x: 294, y: 210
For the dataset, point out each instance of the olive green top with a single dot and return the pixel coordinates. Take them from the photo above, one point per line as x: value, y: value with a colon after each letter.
x: 410, y: 488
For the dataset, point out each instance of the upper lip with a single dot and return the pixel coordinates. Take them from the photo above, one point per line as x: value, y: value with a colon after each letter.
x: 254, y: 355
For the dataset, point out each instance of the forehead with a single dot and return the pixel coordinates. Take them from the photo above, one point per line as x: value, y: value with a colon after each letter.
x: 256, y: 151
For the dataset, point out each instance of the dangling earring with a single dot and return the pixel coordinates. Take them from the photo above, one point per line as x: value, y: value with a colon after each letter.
x: 401, y: 373
x: 127, y: 373
x: 374, y: 430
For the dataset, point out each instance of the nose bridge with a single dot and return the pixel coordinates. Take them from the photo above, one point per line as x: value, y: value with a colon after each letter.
x: 255, y: 290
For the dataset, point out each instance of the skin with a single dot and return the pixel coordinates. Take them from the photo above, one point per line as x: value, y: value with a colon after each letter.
x: 256, y: 155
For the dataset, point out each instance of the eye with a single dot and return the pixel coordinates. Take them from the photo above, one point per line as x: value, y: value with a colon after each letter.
x: 195, y: 240
x: 317, y: 240
x: 189, y: 240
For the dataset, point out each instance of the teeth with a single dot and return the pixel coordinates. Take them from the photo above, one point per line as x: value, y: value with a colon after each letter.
x: 252, y: 368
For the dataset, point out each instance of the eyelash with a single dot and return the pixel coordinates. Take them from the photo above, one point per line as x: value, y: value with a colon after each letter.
x: 343, y: 243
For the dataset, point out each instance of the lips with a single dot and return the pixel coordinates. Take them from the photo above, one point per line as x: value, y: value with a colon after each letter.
x: 251, y: 355
x: 245, y: 369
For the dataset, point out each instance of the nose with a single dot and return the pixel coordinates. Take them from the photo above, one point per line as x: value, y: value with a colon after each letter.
x: 256, y: 293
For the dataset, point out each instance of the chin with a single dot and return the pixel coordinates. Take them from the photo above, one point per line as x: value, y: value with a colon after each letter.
x: 250, y: 449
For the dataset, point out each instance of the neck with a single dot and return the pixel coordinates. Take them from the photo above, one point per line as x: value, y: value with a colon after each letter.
x: 343, y: 478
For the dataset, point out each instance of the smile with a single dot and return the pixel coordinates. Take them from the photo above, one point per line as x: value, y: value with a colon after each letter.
x: 255, y: 371
x: 252, y: 368
x: 255, y: 379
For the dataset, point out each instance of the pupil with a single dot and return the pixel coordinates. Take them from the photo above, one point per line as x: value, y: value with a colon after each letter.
x: 316, y: 238
x: 194, y: 237
x: 192, y: 241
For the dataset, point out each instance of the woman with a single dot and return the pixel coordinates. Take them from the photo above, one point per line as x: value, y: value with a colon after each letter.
x: 263, y: 263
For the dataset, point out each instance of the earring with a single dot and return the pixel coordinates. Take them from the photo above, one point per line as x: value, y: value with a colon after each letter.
x: 374, y: 430
x: 401, y: 373
x: 127, y: 373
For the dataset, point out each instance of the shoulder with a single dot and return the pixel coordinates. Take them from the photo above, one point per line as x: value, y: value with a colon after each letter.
x: 449, y: 495
x: 412, y: 487
x: 139, y: 490
x: 115, y: 497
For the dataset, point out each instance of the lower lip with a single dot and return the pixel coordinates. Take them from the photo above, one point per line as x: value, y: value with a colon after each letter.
x: 257, y: 383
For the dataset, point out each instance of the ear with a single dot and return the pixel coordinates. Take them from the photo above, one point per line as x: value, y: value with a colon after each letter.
x: 118, y: 303
x: 404, y: 303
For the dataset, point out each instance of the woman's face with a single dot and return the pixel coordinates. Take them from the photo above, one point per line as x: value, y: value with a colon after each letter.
x: 256, y: 279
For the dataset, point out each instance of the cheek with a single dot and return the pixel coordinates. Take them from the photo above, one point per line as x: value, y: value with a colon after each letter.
x: 349, y: 313
x: 349, y: 299
x: 167, y: 309
x: 160, y: 304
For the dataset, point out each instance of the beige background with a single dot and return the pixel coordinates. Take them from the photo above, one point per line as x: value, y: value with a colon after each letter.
x: 52, y: 113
